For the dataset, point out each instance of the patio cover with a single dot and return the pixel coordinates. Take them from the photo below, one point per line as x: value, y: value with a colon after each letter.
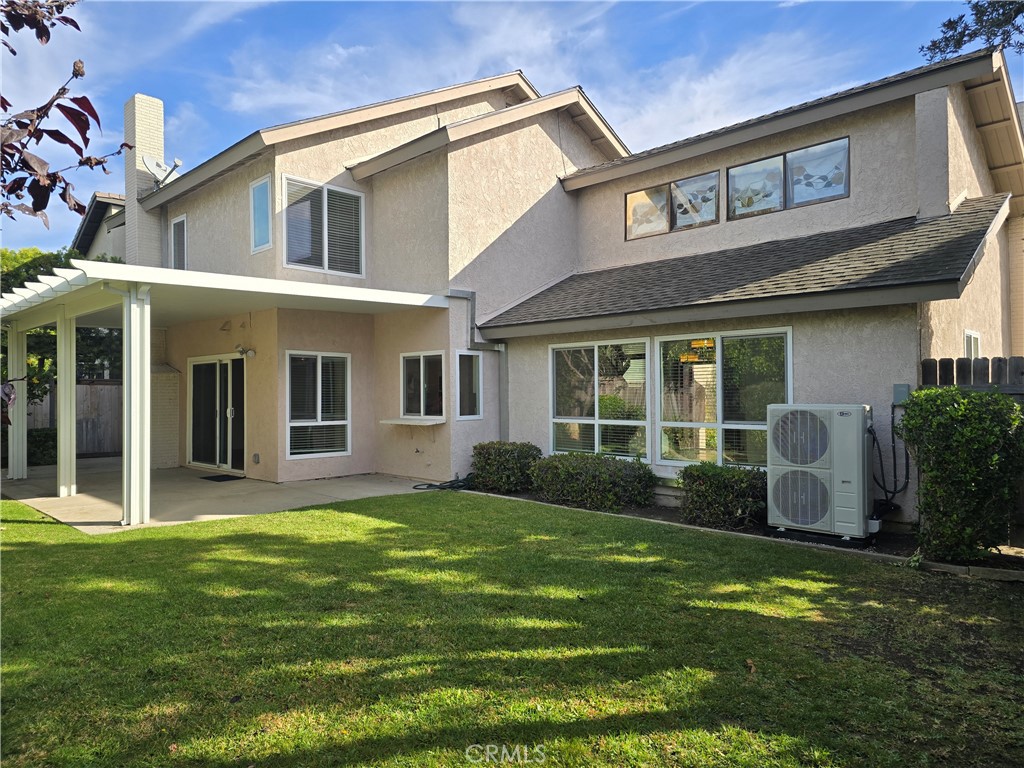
x: 132, y: 298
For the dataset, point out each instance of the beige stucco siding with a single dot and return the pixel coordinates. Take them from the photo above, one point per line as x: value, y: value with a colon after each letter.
x: 882, y: 168
x: 219, y: 336
x: 307, y: 331
x: 107, y: 243
x: 984, y: 307
x: 218, y: 238
x: 852, y: 356
x: 467, y: 432
x: 412, y: 451
x: 512, y: 229
x: 410, y: 226
x: 968, y: 166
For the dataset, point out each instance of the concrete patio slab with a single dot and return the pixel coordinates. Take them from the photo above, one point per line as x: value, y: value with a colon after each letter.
x: 181, y: 495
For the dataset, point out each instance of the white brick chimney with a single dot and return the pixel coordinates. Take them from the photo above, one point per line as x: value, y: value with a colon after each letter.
x: 143, y: 129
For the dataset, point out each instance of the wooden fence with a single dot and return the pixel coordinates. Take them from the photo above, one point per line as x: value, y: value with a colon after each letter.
x: 1005, y: 374
x: 98, y: 412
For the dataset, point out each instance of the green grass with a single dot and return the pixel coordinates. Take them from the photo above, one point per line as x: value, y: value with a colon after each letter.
x: 401, y: 630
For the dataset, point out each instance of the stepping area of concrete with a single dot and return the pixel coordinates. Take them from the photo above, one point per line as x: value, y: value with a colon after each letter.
x: 181, y: 495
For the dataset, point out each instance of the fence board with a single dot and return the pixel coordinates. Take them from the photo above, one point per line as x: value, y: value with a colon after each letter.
x: 998, y: 373
x: 930, y: 372
x: 1000, y: 370
x: 979, y: 371
x: 946, y: 378
x: 98, y: 415
x: 964, y: 367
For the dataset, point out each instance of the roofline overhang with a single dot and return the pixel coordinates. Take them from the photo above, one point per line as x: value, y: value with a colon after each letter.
x: 101, y: 276
x: 258, y: 142
x: 799, y: 303
x: 92, y: 219
x: 474, y: 126
x: 790, y: 119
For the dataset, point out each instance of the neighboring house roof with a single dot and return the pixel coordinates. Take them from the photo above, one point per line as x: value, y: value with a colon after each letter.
x: 99, y: 207
x: 573, y: 100
x: 983, y: 73
x: 514, y: 84
x: 895, y: 262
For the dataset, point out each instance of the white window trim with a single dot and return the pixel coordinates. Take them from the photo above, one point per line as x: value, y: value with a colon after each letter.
x: 401, y: 390
x: 459, y: 354
x: 319, y: 403
x: 170, y: 241
x: 362, y: 226
x: 719, y: 425
x: 597, y: 421
x: 968, y: 334
x: 270, y: 215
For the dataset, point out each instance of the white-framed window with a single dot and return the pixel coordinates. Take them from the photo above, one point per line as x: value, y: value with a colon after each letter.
x: 423, y: 384
x: 259, y: 214
x: 323, y: 228
x: 179, y: 243
x: 319, y: 386
x: 972, y: 344
x: 713, y: 393
x: 468, y: 385
x: 599, y: 397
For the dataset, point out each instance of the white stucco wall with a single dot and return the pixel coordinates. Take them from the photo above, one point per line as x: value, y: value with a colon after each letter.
x: 851, y: 356
x: 1015, y: 239
x: 106, y: 243
x: 512, y: 229
x: 882, y: 170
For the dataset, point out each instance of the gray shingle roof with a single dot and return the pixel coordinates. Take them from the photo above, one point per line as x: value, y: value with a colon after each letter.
x: 892, y: 79
x: 891, y: 254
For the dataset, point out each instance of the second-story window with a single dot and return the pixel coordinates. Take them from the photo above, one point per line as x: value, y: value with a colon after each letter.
x: 324, y: 228
x: 259, y: 214
x: 178, y: 244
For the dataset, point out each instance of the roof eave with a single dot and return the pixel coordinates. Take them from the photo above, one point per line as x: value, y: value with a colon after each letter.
x: 797, y: 303
x: 788, y: 120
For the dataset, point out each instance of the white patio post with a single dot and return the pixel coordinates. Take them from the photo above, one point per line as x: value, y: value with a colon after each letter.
x: 135, y: 480
x: 17, y: 433
x: 66, y: 404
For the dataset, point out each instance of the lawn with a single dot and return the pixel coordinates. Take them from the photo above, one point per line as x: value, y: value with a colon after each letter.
x: 403, y: 630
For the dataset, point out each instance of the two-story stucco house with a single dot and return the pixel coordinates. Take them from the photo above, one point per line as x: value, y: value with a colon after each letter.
x: 379, y: 289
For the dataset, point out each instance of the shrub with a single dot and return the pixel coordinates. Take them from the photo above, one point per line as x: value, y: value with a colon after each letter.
x: 42, y: 447
x: 969, y: 447
x: 723, y: 497
x: 501, y: 467
x: 593, y: 481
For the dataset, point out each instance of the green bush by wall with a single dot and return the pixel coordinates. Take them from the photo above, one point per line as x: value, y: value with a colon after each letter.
x: 969, y: 447
x: 500, y: 467
x: 730, y: 498
x: 593, y: 481
x: 42, y: 447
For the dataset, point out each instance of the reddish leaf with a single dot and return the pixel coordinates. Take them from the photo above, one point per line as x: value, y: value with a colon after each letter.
x: 40, y: 194
x: 35, y: 164
x: 72, y: 202
x: 5, y: 105
x: 10, y: 48
x: 60, y: 138
x: 78, y: 119
x: 43, y: 34
x: 14, y: 187
x: 69, y: 22
x: 83, y: 103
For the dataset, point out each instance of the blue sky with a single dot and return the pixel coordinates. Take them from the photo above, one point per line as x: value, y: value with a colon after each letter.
x: 657, y: 71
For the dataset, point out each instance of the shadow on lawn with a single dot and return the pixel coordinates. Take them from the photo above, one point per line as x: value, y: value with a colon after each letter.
x: 416, y: 623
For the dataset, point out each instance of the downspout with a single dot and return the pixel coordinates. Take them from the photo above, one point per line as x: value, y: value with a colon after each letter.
x: 484, y: 346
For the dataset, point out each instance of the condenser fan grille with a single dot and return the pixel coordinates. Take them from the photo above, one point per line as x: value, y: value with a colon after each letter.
x: 801, y: 498
x: 800, y: 437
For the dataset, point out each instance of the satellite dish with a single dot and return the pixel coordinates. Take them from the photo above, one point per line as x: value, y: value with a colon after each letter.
x: 160, y: 170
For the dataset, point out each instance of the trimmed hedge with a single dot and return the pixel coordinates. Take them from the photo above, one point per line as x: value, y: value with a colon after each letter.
x: 500, y: 467
x: 969, y: 447
x: 730, y: 498
x: 593, y: 481
x: 42, y: 447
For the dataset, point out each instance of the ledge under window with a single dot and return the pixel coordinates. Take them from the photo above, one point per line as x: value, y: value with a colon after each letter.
x: 417, y: 421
